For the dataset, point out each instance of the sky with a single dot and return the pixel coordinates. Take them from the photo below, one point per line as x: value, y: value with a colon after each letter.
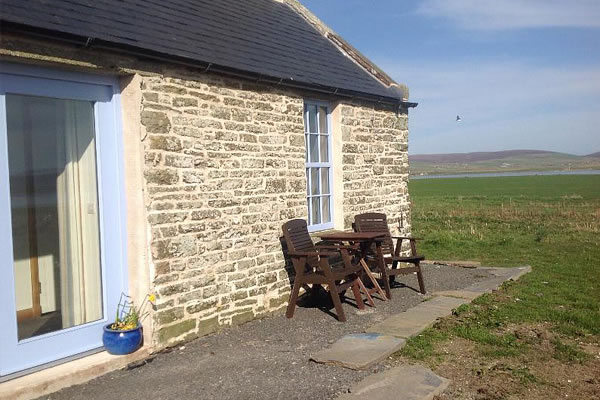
x: 522, y: 74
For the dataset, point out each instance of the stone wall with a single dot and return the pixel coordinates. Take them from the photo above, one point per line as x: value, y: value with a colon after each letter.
x: 224, y: 170
x: 375, y: 164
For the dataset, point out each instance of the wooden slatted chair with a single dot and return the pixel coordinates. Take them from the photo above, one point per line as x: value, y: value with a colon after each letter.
x: 377, y: 222
x: 312, y: 266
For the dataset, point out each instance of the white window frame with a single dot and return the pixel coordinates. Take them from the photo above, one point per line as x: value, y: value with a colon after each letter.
x: 312, y: 227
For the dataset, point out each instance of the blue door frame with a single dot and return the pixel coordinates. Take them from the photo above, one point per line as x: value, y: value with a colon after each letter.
x: 104, y: 92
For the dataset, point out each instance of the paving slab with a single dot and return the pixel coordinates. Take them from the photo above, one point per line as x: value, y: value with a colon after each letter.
x: 418, y: 318
x: 401, y: 327
x: 513, y: 273
x: 359, y: 351
x: 443, y: 303
x: 487, y: 286
x: 520, y: 271
x: 497, y: 271
x: 462, y: 264
x: 405, y: 382
x: 501, y: 275
x: 461, y: 294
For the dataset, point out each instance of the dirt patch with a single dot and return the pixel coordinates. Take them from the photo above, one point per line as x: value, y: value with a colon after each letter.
x: 537, y: 373
x: 593, y: 349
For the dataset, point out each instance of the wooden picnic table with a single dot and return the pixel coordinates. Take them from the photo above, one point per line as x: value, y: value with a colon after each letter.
x: 365, y: 241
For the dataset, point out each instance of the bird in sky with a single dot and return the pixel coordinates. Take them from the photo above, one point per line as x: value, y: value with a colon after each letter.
x: 458, y: 118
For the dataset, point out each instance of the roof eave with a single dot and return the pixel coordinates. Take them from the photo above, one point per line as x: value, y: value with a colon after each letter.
x: 90, y: 42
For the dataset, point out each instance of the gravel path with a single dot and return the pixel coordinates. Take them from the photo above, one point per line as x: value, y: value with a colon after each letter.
x: 265, y: 359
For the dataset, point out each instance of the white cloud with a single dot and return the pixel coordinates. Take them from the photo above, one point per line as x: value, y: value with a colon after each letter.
x: 503, y: 105
x: 515, y: 14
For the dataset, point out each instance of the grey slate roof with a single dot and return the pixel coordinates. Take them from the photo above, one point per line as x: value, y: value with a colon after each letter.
x: 258, y: 36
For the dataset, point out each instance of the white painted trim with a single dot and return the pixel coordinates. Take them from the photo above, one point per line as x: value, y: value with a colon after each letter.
x: 56, y: 74
x: 328, y: 165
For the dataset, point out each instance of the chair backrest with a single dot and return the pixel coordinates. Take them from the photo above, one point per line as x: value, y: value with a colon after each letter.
x: 297, y: 239
x: 375, y: 222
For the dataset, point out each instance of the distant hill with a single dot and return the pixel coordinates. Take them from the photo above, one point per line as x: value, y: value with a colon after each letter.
x: 500, y: 161
x: 473, y: 157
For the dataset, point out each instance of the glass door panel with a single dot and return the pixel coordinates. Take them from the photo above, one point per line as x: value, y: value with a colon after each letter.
x: 54, y: 203
x: 62, y: 214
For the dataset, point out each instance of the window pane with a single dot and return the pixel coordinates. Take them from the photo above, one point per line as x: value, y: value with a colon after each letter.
x: 305, y: 118
x: 323, y: 126
x: 326, y: 214
x: 307, y: 183
x: 312, y: 119
x: 54, y: 209
x: 314, y: 181
x: 324, y: 149
x: 316, y: 211
x: 324, y: 181
x: 306, y: 148
x: 314, y: 148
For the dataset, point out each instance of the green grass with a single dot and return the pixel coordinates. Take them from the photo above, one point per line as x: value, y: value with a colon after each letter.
x: 549, y: 222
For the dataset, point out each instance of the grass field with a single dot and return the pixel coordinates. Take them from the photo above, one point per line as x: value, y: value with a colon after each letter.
x: 539, y: 337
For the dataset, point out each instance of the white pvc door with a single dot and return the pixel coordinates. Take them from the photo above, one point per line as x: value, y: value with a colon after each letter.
x: 61, y: 205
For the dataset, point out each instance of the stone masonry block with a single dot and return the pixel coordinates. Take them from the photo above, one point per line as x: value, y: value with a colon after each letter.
x: 155, y: 121
x: 173, y: 331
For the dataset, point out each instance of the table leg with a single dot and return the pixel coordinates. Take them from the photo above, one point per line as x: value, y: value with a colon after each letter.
x: 376, y: 288
x: 364, y: 289
x: 383, y: 268
x: 357, y: 296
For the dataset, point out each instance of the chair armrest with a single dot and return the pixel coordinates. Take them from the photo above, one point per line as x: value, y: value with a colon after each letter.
x: 412, y: 241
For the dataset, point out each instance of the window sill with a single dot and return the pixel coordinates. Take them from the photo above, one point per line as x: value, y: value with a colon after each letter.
x: 320, y: 228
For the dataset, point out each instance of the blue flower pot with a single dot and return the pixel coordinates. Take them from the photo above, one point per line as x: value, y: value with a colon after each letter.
x: 122, y: 342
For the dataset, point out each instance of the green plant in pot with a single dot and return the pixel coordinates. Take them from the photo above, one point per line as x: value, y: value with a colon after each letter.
x: 124, y: 336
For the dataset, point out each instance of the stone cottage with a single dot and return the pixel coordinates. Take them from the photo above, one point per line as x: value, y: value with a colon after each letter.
x: 158, y: 146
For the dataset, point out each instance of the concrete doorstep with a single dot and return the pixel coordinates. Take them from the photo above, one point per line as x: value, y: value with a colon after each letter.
x: 72, y: 373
